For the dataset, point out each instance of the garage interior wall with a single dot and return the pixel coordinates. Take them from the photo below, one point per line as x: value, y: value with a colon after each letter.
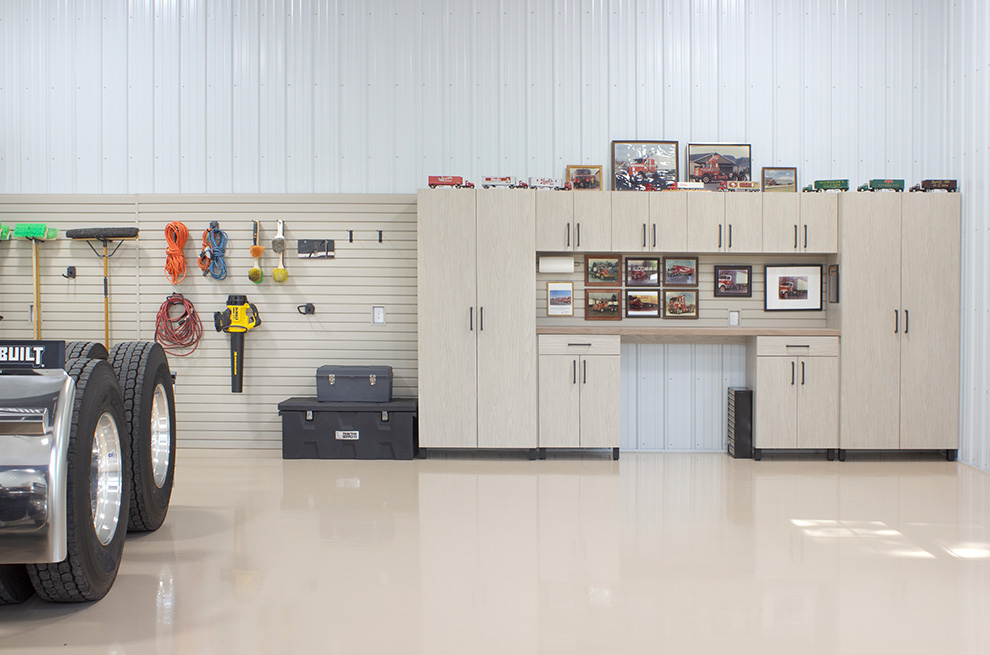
x: 356, y: 96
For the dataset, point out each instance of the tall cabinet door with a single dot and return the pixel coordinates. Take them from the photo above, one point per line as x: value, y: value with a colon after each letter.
x: 507, y: 365
x: 448, y: 319
x: 870, y: 270
x: 600, y: 405
x: 930, y: 256
x: 818, y: 402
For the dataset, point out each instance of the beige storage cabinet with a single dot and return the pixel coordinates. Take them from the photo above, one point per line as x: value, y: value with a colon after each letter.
x: 797, y: 393
x: 573, y: 221
x: 800, y: 222
x: 724, y: 222
x: 579, y: 392
x: 477, y: 329
x: 899, y: 274
x: 649, y: 222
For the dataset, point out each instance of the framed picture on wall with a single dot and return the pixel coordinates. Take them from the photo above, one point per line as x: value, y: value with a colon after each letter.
x: 792, y: 288
x: 733, y: 281
x: 642, y: 304
x: 643, y: 165
x: 680, y: 303
x: 642, y: 272
x: 777, y: 180
x: 560, y: 299
x: 585, y: 177
x: 602, y: 270
x: 680, y: 271
x: 712, y: 163
x: 603, y: 305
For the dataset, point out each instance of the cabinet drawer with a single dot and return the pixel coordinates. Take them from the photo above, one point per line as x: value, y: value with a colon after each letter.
x: 797, y: 346
x: 564, y: 344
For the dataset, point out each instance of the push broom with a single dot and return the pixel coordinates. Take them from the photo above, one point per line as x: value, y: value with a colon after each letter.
x: 106, y: 236
x: 36, y: 232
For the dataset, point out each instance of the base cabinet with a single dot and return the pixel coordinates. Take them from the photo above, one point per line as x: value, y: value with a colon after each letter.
x: 797, y: 393
x: 579, y: 392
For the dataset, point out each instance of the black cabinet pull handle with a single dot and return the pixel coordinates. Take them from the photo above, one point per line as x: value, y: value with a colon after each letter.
x: 580, y: 344
x: 730, y: 235
x: 574, y: 361
x: 585, y: 381
x: 471, y: 319
x: 907, y: 321
x: 579, y: 235
x: 802, y: 374
x: 568, y: 235
x: 481, y: 319
x: 719, y: 236
x: 644, y: 235
x: 792, y: 373
x: 654, y: 235
x: 896, y: 322
x: 795, y: 236
x: 806, y: 235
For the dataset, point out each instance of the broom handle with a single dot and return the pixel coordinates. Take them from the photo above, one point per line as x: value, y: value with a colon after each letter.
x: 37, y: 289
x: 106, y: 299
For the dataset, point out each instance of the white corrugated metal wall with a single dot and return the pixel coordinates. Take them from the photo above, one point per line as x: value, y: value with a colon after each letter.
x: 360, y: 96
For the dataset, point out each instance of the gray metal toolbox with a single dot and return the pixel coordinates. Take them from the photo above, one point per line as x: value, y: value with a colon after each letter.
x: 361, y: 384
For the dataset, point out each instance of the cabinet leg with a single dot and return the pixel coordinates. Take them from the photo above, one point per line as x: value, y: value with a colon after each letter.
x: 842, y: 454
x: 423, y: 453
x: 543, y: 453
x: 532, y: 454
x: 615, y: 453
x: 830, y: 454
x: 951, y: 455
x: 757, y: 454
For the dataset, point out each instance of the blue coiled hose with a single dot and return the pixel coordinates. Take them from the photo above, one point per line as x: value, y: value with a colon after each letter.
x: 211, y: 259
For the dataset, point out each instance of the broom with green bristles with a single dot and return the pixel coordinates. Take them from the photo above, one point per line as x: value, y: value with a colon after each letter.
x: 36, y: 232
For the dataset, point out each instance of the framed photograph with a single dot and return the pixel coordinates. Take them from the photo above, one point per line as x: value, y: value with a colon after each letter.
x: 680, y: 271
x: 643, y: 165
x: 793, y: 288
x: 712, y: 163
x: 602, y: 270
x: 585, y: 177
x: 642, y: 272
x: 778, y: 180
x: 642, y: 304
x: 733, y: 282
x: 560, y: 299
x: 680, y: 303
x: 603, y: 305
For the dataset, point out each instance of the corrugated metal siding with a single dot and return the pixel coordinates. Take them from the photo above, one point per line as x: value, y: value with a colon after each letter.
x: 283, y: 353
x: 347, y: 96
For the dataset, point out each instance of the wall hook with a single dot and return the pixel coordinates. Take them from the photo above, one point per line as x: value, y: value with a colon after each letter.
x: 70, y: 273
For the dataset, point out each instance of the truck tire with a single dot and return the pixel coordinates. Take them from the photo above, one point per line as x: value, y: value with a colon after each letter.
x: 96, y: 474
x: 149, y: 408
x: 15, y: 585
x: 88, y: 349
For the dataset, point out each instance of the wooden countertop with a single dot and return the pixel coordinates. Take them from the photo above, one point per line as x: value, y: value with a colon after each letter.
x: 690, y: 335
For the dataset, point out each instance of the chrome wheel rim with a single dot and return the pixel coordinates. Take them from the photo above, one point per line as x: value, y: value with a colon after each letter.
x: 161, y: 436
x: 106, y: 485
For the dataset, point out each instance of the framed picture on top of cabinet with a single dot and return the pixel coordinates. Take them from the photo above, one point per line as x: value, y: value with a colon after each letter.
x: 642, y: 304
x: 733, y: 282
x: 602, y: 270
x: 680, y: 303
x: 603, y: 305
x: 584, y: 177
x: 792, y: 288
x: 560, y: 299
x: 642, y: 272
x: 779, y: 180
x: 714, y: 163
x: 643, y: 165
x: 680, y: 271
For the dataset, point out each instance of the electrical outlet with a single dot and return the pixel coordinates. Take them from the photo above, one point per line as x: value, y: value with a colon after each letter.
x: 734, y: 317
x: 378, y: 315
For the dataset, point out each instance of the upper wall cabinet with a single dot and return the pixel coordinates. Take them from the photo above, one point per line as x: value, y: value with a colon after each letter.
x: 724, y: 222
x: 649, y: 222
x: 802, y: 223
x: 573, y: 221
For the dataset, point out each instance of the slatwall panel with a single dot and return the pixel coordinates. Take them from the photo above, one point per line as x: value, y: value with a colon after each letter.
x: 283, y: 353
x: 293, y: 95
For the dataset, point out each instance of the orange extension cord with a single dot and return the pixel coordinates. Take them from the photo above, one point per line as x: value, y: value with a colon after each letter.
x: 176, y: 235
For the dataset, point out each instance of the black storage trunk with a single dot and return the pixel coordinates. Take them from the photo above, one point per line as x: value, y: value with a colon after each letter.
x: 347, y: 430
x: 740, y: 422
x: 363, y: 384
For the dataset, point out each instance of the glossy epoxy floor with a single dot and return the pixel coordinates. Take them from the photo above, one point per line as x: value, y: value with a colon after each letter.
x: 674, y: 553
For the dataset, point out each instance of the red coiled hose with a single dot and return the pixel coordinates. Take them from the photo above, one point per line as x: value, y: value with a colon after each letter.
x: 180, y: 332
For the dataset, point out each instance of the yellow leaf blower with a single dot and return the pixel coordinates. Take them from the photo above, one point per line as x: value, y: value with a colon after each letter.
x: 239, y: 317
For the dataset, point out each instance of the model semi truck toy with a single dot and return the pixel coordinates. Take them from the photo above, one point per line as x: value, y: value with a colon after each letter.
x: 827, y: 185
x: 87, y: 454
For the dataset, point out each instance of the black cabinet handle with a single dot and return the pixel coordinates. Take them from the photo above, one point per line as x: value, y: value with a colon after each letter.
x: 907, y: 321
x: 574, y: 361
x: 802, y: 374
x: 792, y: 373
x: 654, y: 235
x: 578, y: 235
x: 471, y: 319
x: 644, y: 235
x: 585, y: 379
x: 730, y: 235
x: 806, y: 236
x: 719, y: 236
x: 896, y: 322
x: 795, y: 236
x: 588, y: 345
x: 481, y: 319
x: 568, y: 235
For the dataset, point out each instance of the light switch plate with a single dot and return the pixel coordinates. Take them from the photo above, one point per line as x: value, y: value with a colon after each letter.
x: 734, y: 317
x: 378, y: 315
